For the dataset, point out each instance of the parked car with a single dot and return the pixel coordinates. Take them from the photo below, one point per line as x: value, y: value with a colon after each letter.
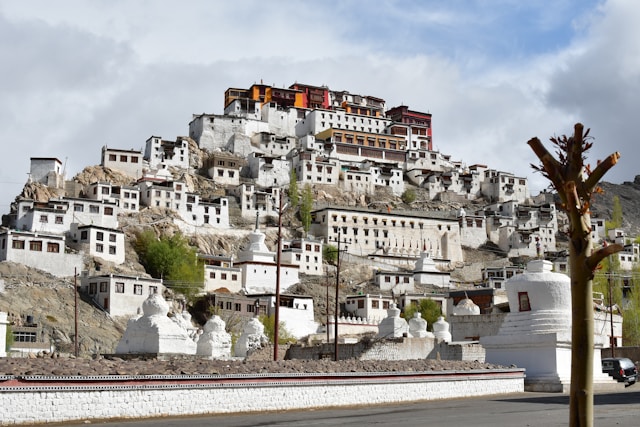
x: 620, y: 368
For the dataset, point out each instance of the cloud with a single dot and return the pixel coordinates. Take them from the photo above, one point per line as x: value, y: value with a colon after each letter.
x: 88, y: 74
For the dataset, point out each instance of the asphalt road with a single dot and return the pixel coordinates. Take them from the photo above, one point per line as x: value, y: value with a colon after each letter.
x: 524, y: 409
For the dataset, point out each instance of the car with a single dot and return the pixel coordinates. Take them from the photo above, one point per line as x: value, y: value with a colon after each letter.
x: 620, y: 368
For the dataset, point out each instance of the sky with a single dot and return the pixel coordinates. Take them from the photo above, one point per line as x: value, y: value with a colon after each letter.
x: 78, y: 75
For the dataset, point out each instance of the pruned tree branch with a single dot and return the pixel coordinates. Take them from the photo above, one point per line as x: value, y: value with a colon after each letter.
x: 600, y: 254
x: 601, y: 169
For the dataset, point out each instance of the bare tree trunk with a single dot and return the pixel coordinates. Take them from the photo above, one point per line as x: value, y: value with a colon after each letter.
x: 575, y: 183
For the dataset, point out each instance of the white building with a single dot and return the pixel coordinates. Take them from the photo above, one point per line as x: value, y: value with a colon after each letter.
x: 500, y: 186
x: 40, y: 250
x: 120, y: 295
x: 126, y: 197
x: 162, y: 153
x: 105, y: 243
x: 254, y: 200
x: 371, y: 308
x: 129, y: 162
x: 267, y: 171
x: 219, y: 272
x: 304, y: 253
x: 520, y: 229
x: 368, y: 231
x: 396, y: 282
x: 296, y: 312
x: 224, y: 168
x: 313, y: 168
x: 47, y: 171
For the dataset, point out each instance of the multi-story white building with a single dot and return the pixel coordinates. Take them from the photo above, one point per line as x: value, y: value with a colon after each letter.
x: 120, y: 295
x: 219, y: 273
x: 224, y: 168
x: 500, y: 186
x: 268, y: 171
x: 162, y: 153
x: 126, y: 197
x: 305, y: 253
x: 272, y: 145
x: 57, y: 215
x: 254, y: 200
x: 368, y: 231
x: 128, y: 162
x: 43, y: 251
x: 313, y: 168
x: 100, y: 242
x: 520, y: 229
x: 494, y: 277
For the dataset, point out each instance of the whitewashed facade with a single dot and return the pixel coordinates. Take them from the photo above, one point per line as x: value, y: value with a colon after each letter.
x: 372, y: 308
x: 163, y: 153
x: 129, y: 162
x: 120, y: 295
x: 219, y: 272
x: 304, y: 253
x: 40, y: 250
x: 105, y: 243
x: 48, y: 171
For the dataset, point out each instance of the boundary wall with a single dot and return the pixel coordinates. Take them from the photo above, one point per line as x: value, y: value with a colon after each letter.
x: 47, y: 399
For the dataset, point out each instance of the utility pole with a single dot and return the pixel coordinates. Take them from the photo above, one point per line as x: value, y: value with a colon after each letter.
x: 276, y: 326
x: 75, y: 317
x: 337, y: 308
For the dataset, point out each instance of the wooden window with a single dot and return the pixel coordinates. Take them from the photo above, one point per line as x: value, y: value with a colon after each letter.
x: 523, y: 301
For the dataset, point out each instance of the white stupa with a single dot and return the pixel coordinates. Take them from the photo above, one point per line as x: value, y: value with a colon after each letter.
x: 215, y: 341
x: 393, y: 326
x: 441, y: 330
x: 418, y: 327
x: 252, y: 338
x: 154, y: 332
x: 466, y: 307
x: 536, y: 333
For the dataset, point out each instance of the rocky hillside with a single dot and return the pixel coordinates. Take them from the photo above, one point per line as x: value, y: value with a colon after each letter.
x: 629, y: 195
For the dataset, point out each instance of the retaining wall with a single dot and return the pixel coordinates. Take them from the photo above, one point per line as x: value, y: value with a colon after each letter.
x: 33, y: 400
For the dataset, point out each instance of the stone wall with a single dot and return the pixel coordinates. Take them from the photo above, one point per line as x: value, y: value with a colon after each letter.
x: 74, y: 402
x: 391, y: 349
x: 472, y: 327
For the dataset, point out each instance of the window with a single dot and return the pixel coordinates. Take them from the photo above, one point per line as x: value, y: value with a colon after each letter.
x: 234, y: 277
x: 112, y: 157
x: 53, y: 247
x: 44, y: 218
x: 112, y: 238
x: 123, y: 159
x: 375, y: 303
x: 385, y: 305
x: 120, y: 287
x: 112, y: 250
x: 59, y: 220
x: 134, y: 159
x: 360, y: 303
x: 108, y: 210
x: 103, y: 286
x: 93, y: 288
x: 17, y: 244
x: 212, y: 275
x: 100, y: 236
x: 153, y: 290
x: 523, y: 301
x: 223, y: 276
x: 137, y: 289
x: 78, y: 208
x: 99, y: 247
x: 94, y: 209
x: 237, y: 307
x: 35, y: 245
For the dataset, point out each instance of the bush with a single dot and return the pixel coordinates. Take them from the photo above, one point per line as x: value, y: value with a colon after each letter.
x: 409, y: 196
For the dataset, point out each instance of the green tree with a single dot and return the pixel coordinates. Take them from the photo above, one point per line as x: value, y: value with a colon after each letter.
x: 294, y: 196
x: 330, y: 254
x: 575, y: 184
x: 172, y: 259
x: 269, y: 323
x: 616, y: 215
x: 409, y: 196
x: 428, y: 308
x: 306, y: 205
x: 631, y: 317
x: 608, y: 271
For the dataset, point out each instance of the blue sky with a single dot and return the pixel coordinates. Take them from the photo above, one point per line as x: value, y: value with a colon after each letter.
x: 77, y: 75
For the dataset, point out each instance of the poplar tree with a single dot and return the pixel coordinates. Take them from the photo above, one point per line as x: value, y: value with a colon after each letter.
x: 575, y: 184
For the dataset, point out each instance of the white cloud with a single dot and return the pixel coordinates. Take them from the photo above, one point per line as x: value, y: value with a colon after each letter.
x: 113, y: 73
